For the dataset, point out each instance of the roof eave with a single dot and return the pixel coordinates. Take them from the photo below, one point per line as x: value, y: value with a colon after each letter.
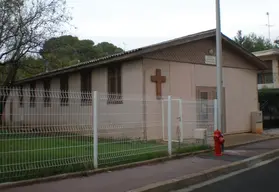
x: 73, y: 69
x: 267, y: 53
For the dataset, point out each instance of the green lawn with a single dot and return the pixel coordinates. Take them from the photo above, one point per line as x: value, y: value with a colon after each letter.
x: 30, y: 156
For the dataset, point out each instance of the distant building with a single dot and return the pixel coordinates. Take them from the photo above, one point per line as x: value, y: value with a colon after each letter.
x: 268, y: 78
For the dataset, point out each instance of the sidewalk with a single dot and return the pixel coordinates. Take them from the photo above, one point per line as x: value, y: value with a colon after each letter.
x: 244, y: 137
x: 127, y: 179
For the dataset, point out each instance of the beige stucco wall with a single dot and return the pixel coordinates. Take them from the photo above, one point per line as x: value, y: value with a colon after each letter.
x: 184, y: 67
x: 115, y: 119
x: 241, y: 99
x: 182, y: 79
x: 123, y: 120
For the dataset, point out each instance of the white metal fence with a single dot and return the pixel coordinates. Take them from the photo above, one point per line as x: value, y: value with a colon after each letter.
x: 50, y: 132
x: 187, y: 117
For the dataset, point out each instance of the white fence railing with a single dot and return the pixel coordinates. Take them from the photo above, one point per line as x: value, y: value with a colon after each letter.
x: 48, y: 132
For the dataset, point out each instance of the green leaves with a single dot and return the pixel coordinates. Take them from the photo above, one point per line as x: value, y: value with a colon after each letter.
x: 30, y: 66
x: 68, y: 50
x: 105, y: 49
x: 63, y: 51
x: 253, y: 42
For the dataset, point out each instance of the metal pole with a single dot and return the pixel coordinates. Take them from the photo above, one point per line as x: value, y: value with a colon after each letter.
x: 215, y: 115
x: 95, y: 128
x: 169, y: 126
x: 268, y: 25
x: 219, y: 66
x: 163, y: 119
x: 181, y: 120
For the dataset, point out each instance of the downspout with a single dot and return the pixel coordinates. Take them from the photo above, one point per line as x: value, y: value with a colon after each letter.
x: 144, y: 101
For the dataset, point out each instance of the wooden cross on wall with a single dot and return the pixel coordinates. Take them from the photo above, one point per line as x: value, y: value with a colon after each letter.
x: 158, y: 79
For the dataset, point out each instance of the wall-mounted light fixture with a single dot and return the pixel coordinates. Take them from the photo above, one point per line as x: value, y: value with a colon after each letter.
x: 211, y: 52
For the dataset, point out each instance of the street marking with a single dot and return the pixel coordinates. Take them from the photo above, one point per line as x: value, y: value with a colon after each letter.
x: 235, y: 152
x: 220, y: 178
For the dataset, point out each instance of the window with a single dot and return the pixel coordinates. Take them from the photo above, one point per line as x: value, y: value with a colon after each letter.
x: 47, y: 93
x: 265, y: 78
x: 268, y: 62
x: 205, y: 97
x: 32, y: 94
x: 203, y: 106
x: 64, y: 87
x: 114, y: 85
x: 85, y: 80
x: 20, y: 94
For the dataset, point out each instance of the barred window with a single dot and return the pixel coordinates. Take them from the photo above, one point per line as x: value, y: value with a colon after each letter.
x: 64, y: 88
x: 20, y: 94
x: 114, y: 85
x: 32, y: 94
x: 47, y: 93
x: 85, y: 80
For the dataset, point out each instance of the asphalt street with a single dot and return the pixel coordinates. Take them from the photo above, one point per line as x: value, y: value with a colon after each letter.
x: 260, y: 179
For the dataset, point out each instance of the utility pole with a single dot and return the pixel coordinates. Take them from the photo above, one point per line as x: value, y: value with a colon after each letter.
x: 219, y: 67
x: 268, y: 25
x: 124, y: 46
x: 46, y: 65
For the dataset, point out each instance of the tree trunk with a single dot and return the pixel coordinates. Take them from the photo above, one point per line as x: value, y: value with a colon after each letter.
x: 6, y: 88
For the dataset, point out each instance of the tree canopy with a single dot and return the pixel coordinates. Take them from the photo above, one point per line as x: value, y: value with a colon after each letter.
x: 104, y: 49
x: 68, y: 50
x: 253, y: 42
x: 63, y: 51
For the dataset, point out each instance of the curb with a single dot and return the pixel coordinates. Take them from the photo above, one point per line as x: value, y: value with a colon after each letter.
x: 193, y: 179
x: 119, y: 167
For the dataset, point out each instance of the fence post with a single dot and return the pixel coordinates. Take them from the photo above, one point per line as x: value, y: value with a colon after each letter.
x: 181, y: 120
x: 95, y: 127
x: 169, y: 126
x: 163, y: 119
x: 215, y: 114
x: 205, y: 137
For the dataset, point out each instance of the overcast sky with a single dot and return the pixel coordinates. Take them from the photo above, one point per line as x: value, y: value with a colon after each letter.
x: 135, y: 23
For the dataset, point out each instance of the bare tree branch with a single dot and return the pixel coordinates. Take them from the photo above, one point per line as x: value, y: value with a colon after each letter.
x: 25, y: 25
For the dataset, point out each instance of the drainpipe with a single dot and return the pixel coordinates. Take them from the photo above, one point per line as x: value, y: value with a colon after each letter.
x: 144, y: 101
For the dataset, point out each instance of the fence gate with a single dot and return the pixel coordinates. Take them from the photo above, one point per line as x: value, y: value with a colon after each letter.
x: 188, y: 116
x: 177, y: 120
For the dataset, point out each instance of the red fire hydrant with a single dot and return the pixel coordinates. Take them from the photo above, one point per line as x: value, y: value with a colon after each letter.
x: 218, y: 142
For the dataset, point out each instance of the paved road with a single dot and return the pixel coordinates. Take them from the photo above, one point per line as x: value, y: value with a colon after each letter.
x: 263, y: 178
